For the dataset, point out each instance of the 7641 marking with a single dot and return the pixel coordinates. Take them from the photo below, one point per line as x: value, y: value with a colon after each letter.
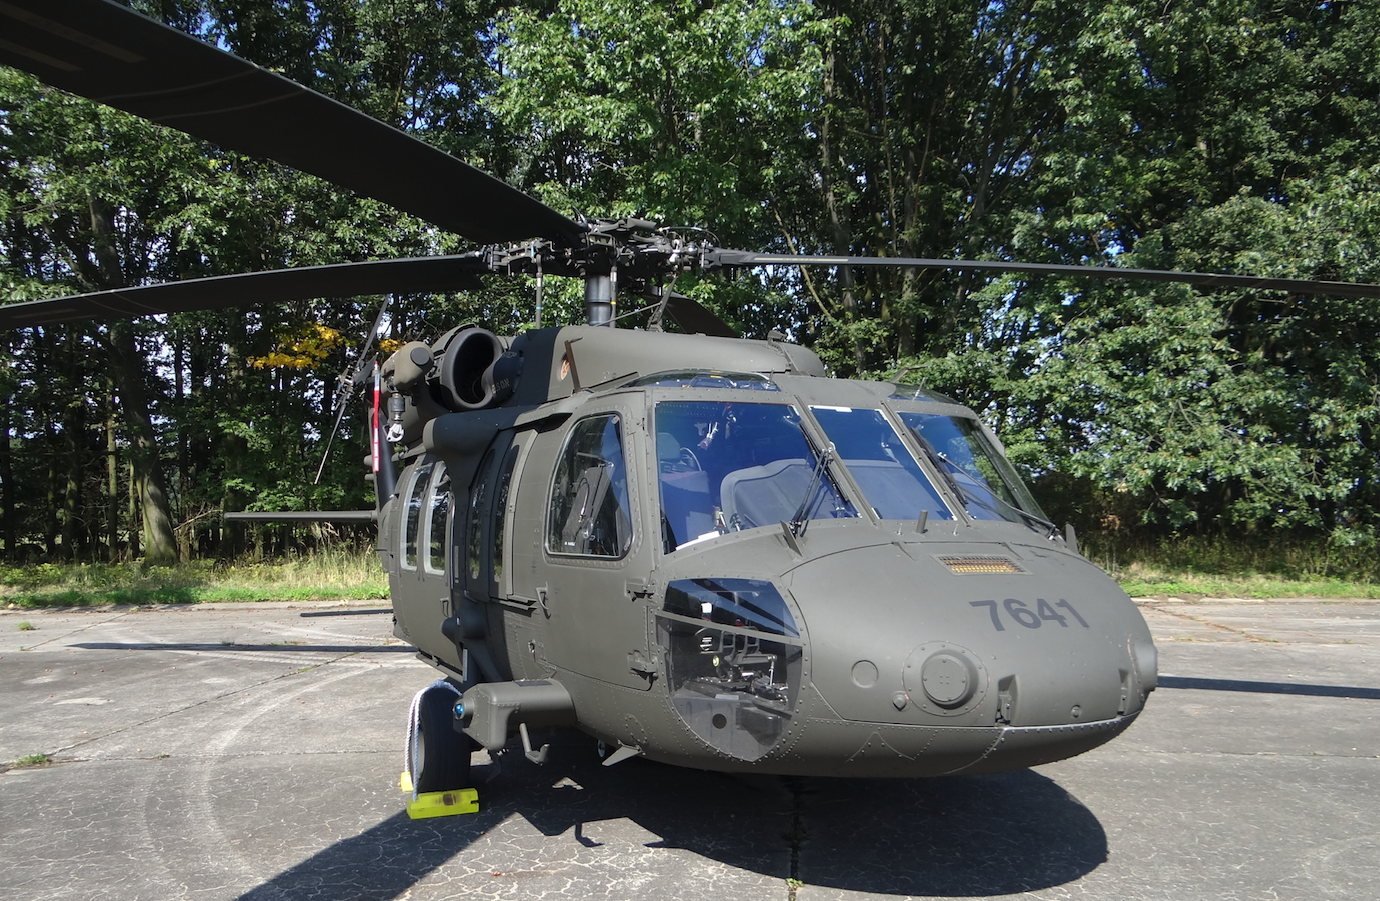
x: 1031, y: 619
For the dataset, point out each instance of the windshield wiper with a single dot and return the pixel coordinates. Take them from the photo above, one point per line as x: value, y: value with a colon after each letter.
x: 939, y: 467
x: 943, y: 465
x: 799, y: 520
x: 1026, y: 514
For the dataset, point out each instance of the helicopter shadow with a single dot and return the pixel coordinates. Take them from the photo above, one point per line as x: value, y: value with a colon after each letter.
x: 1274, y: 688
x: 954, y: 836
x: 237, y: 648
x: 960, y: 836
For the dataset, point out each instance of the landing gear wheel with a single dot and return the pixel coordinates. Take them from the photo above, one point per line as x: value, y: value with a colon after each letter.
x: 443, y: 755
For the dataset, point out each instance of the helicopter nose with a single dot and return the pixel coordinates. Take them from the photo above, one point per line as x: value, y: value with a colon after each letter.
x: 972, y: 635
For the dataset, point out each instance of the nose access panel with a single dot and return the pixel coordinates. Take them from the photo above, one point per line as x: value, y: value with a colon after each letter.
x: 944, y: 679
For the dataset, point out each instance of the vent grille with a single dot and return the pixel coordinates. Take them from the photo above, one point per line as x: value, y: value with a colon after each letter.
x: 970, y: 565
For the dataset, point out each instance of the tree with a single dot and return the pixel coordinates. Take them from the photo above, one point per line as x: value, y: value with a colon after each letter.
x: 1229, y: 135
x: 691, y: 114
x: 1226, y: 136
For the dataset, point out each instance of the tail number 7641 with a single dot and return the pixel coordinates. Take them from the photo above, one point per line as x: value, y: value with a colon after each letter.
x: 1022, y: 613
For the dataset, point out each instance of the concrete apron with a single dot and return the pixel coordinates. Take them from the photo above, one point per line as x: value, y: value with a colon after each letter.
x: 253, y: 751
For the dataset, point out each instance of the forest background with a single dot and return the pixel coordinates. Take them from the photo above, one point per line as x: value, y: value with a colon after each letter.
x: 1232, y: 136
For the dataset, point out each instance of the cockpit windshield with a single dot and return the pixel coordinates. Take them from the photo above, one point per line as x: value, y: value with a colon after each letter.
x: 728, y: 466
x: 985, y: 479
x: 877, y: 458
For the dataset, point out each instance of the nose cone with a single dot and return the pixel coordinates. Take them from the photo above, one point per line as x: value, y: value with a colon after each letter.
x: 1019, y: 640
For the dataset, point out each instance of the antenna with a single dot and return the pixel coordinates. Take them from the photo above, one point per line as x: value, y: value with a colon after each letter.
x: 348, y: 380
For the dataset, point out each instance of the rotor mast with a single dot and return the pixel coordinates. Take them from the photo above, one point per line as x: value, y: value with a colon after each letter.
x: 601, y: 299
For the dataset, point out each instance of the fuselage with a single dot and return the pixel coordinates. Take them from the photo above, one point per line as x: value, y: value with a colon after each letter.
x: 746, y: 565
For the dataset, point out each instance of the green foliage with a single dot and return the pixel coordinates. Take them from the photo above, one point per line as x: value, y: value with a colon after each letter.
x: 1226, y: 135
x: 32, y: 760
x: 678, y: 111
x: 96, y: 199
x: 1272, y: 555
x: 693, y: 115
x: 1151, y: 583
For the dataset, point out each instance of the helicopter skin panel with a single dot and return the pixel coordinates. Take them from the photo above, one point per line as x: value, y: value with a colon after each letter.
x: 124, y: 59
x: 595, y: 540
x: 604, y: 357
x: 886, y: 627
x: 910, y: 588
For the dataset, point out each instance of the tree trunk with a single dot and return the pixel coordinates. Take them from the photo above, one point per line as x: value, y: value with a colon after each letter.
x: 112, y: 477
x: 838, y: 227
x: 134, y: 543
x: 73, y: 425
x: 7, y: 473
x: 160, y: 545
x: 50, y: 444
x: 127, y: 364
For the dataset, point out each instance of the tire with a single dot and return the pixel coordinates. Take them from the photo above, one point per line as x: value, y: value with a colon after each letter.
x: 443, y: 755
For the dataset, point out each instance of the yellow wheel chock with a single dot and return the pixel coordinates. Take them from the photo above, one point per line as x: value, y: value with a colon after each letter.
x: 443, y: 804
x: 438, y: 804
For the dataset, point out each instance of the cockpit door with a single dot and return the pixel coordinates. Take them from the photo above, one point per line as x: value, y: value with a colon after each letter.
x: 597, y: 552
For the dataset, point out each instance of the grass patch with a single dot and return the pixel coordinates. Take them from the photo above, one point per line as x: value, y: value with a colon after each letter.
x: 327, y: 576
x: 1214, y: 568
x: 1191, y: 585
x: 31, y: 761
x: 1186, y: 568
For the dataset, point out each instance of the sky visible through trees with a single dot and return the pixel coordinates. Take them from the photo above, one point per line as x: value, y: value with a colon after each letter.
x: 1224, y: 135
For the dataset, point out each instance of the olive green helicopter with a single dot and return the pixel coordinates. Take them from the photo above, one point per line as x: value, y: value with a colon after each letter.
x: 694, y: 547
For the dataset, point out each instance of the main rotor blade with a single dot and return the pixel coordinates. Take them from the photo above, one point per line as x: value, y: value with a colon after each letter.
x: 405, y: 276
x: 109, y: 53
x: 744, y: 258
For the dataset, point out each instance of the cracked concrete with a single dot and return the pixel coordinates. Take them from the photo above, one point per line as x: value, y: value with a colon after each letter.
x: 252, y: 752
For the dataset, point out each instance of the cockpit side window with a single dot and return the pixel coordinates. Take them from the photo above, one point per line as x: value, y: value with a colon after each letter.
x: 438, y: 520
x: 589, y: 513
x: 412, y: 522
x: 874, y: 454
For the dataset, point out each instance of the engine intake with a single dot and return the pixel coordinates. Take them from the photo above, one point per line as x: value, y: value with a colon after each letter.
x: 475, y: 370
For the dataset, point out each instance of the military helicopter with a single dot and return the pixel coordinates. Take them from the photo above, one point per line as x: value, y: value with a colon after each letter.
x: 694, y: 547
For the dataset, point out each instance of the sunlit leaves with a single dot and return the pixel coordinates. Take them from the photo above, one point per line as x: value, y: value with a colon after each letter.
x: 304, y: 348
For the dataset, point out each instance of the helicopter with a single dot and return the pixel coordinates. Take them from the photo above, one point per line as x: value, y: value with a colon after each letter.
x: 694, y: 547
